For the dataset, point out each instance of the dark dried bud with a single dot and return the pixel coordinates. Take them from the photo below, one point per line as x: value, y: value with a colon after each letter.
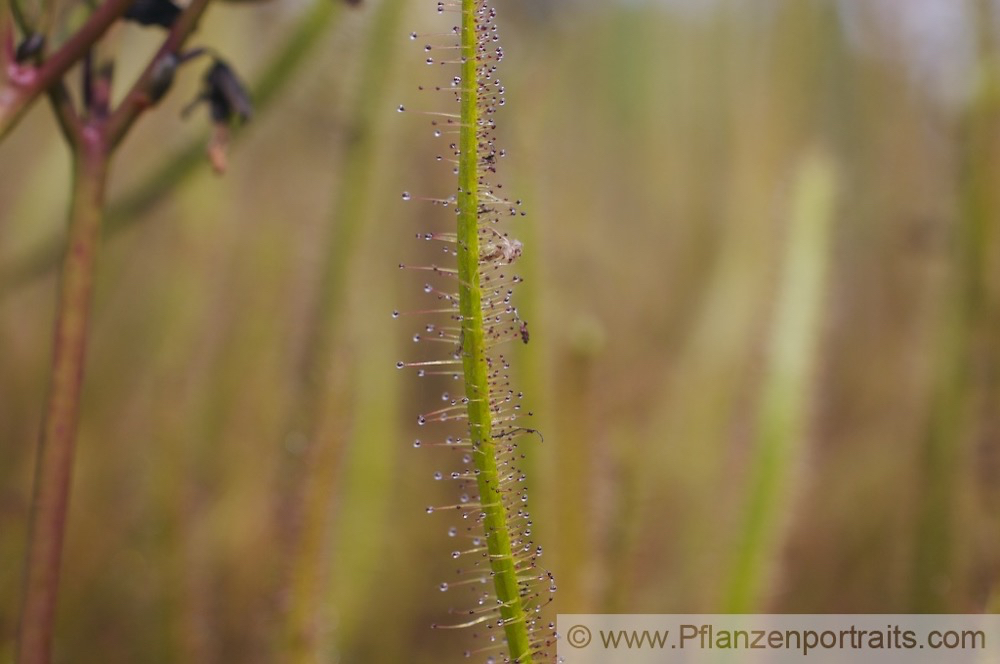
x: 226, y: 96
x: 162, y: 76
x: 30, y: 47
x: 153, y: 12
x: 227, y: 99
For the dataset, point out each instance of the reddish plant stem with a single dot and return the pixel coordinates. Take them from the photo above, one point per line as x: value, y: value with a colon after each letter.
x: 92, y: 143
x: 21, y: 84
x: 53, y: 472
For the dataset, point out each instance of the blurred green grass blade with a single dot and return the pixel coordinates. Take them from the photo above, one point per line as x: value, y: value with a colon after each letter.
x: 782, y: 415
x: 363, y: 461
x: 959, y: 353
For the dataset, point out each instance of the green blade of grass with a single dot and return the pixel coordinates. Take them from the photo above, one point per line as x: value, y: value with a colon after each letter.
x: 782, y: 414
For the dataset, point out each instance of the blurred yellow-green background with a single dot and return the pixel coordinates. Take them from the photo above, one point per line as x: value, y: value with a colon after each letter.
x: 762, y: 280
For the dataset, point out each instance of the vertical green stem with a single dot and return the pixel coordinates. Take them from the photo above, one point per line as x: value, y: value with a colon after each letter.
x: 474, y: 360
x: 55, y: 452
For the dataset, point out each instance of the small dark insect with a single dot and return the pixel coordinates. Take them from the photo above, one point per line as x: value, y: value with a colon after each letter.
x: 153, y: 12
x: 517, y: 430
x: 30, y: 47
x: 524, y: 331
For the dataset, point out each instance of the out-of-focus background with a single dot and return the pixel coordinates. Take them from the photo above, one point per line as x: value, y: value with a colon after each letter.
x: 762, y: 281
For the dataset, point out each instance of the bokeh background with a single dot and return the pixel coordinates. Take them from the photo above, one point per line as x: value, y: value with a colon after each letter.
x: 762, y: 281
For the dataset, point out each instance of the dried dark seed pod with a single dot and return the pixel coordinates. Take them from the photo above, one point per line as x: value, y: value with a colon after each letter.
x: 226, y: 96
x: 162, y: 76
x: 227, y: 99
x: 30, y: 47
x: 163, y: 72
x: 153, y: 12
